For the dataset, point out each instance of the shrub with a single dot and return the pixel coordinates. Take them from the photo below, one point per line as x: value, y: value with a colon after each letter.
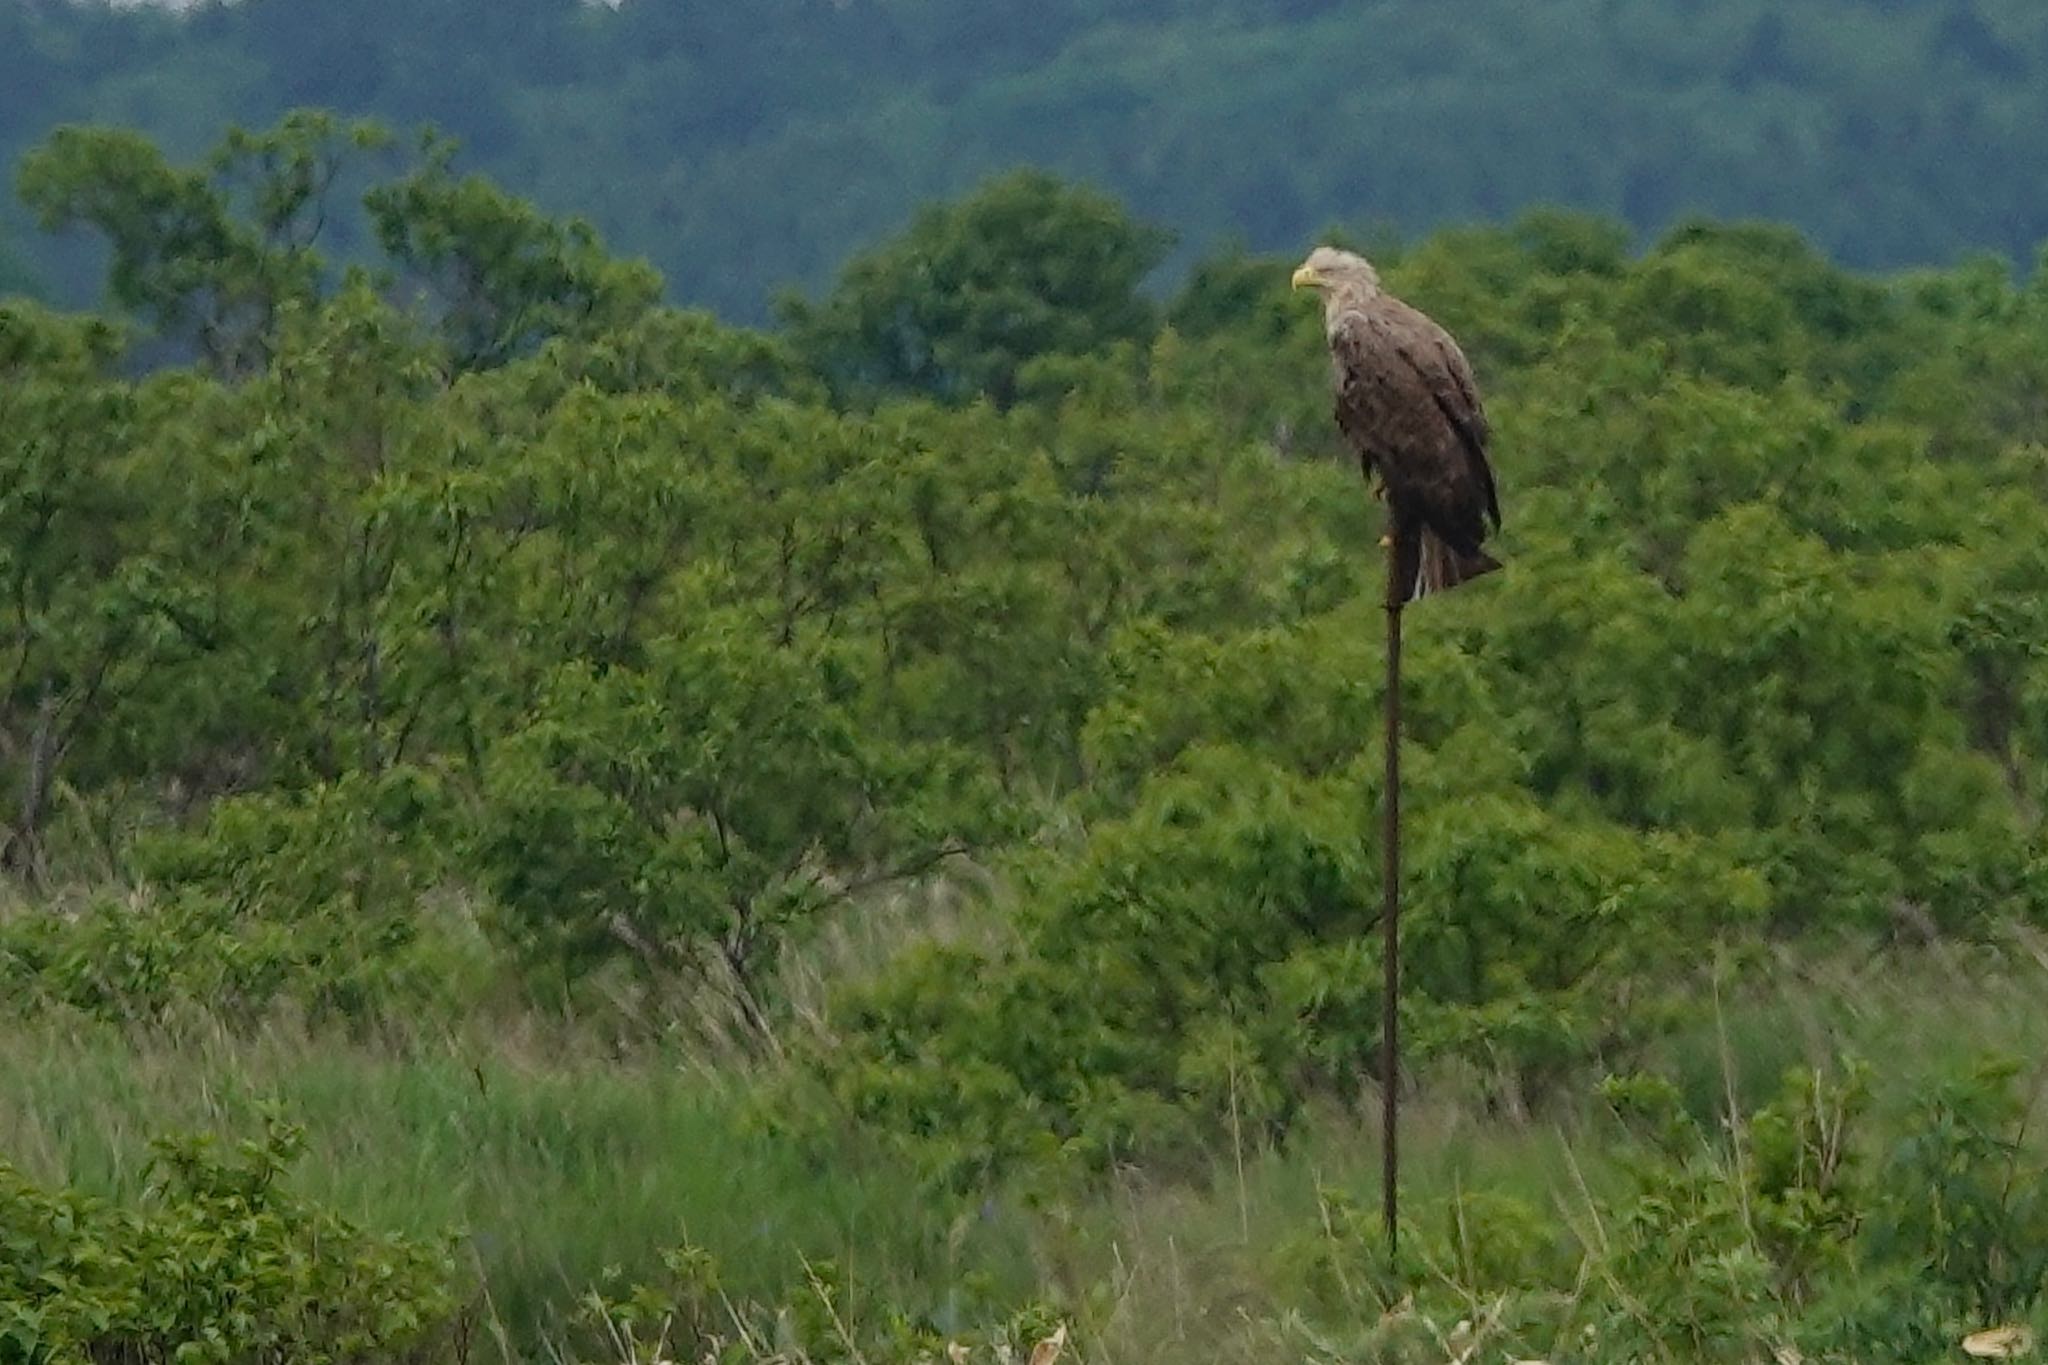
x: 1808, y: 1229
x: 689, y: 1315
x: 1207, y: 964
x: 218, y: 1265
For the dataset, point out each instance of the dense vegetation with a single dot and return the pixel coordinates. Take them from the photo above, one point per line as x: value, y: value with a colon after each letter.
x: 450, y: 691
x: 744, y: 148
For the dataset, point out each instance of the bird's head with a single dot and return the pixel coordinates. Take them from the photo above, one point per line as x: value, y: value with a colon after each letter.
x: 1337, y: 274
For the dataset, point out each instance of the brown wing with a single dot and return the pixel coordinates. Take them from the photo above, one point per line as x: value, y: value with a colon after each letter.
x: 1406, y: 399
x: 1436, y: 356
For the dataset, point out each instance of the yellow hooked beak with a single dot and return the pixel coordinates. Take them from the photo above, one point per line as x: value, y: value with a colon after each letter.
x: 1305, y: 277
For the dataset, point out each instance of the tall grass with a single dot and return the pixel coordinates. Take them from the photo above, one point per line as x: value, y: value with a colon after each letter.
x: 555, y: 1169
x: 558, y: 1166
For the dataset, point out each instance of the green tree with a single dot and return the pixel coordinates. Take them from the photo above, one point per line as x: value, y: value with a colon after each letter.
x: 495, y: 275
x: 210, y: 257
x: 96, y: 608
x: 958, y: 304
x: 694, y: 814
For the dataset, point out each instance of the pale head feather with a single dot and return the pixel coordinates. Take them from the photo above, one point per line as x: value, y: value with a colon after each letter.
x: 1344, y: 278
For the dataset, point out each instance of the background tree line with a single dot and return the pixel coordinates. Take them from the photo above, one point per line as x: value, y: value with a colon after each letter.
x: 746, y: 149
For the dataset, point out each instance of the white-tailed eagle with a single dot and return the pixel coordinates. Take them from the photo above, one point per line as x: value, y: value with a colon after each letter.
x: 1407, y: 403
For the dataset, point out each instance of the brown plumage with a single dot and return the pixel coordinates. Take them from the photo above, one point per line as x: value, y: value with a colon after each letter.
x: 1407, y: 403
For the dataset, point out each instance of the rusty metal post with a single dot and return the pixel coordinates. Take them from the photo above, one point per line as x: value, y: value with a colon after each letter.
x: 1390, y: 924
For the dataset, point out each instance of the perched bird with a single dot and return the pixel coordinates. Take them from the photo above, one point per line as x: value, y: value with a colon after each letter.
x: 1407, y: 403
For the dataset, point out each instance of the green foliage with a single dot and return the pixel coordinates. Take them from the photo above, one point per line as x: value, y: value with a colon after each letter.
x: 96, y: 602
x: 1719, y: 697
x: 1796, y: 1228
x: 974, y: 291
x: 569, y: 1163
x: 219, y: 258
x: 602, y: 619
x: 217, y: 1263
x: 1803, y: 1230
x: 743, y: 156
x: 499, y: 274
x: 690, y: 1315
x: 1969, y: 1210
x: 480, y: 641
x: 319, y: 902
x: 195, y: 957
x: 212, y: 255
x: 699, y: 811
x: 1203, y: 966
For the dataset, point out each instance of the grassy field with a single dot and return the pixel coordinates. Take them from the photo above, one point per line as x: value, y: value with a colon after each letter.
x: 553, y: 1167
x: 559, y: 1168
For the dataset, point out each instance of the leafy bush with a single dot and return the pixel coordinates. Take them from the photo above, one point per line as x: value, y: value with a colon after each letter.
x: 824, y: 1321
x: 218, y: 1263
x: 320, y: 901
x: 1204, y: 966
x: 697, y: 815
x: 972, y: 292
x: 1812, y: 1227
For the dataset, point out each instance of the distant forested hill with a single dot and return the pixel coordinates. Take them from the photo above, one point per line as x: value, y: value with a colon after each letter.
x: 746, y: 144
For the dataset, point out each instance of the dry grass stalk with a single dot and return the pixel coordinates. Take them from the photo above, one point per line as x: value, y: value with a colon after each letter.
x: 1999, y: 1343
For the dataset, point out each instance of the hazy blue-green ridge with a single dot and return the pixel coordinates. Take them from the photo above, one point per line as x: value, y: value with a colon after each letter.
x: 744, y: 149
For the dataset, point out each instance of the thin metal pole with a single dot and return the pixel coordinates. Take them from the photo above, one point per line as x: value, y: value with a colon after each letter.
x: 1390, y: 1018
